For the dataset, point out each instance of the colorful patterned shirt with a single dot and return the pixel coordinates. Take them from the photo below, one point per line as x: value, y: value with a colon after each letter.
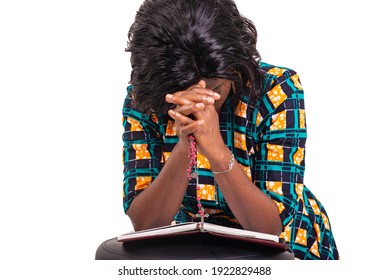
x: 267, y: 138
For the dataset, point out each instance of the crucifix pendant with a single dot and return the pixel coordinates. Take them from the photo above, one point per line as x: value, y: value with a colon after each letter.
x: 202, y: 216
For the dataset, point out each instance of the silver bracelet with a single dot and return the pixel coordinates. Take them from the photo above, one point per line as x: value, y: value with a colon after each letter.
x: 230, y: 166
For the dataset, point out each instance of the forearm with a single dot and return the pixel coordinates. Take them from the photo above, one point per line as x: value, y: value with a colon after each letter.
x: 253, y: 209
x: 158, y: 204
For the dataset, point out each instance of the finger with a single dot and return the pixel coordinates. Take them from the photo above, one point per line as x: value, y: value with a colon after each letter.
x: 188, y: 97
x: 201, y: 88
x: 201, y: 84
x: 179, y: 117
x: 190, y: 109
x: 208, y: 113
x: 199, y: 95
x: 206, y: 91
x: 198, y: 98
x: 192, y: 128
x: 194, y: 86
x: 176, y: 99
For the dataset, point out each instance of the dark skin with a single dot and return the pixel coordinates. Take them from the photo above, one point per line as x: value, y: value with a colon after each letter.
x: 197, y: 112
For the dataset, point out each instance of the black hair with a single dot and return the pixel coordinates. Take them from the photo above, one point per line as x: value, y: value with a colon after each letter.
x: 176, y: 43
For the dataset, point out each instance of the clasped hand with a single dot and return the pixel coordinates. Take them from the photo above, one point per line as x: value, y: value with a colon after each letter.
x: 195, y: 113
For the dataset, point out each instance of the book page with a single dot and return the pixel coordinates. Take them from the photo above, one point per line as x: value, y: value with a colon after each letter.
x: 170, y: 229
x: 239, y: 232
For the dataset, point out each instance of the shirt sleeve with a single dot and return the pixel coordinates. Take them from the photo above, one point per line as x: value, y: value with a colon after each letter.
x: 281, y: 131
x: 142, y: 151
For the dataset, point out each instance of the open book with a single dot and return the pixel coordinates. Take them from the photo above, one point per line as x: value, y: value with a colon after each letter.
x: 193, y: 227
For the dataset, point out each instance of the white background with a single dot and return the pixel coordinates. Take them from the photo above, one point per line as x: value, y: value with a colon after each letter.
x: 63, y: 75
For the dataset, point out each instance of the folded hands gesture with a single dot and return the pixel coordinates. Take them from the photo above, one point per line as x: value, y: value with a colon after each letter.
x: 195, y: 113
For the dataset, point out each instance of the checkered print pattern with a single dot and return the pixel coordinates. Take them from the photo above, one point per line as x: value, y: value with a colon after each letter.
x: 267, y: 137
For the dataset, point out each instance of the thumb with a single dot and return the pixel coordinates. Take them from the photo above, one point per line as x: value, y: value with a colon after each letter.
x: 202, y: 83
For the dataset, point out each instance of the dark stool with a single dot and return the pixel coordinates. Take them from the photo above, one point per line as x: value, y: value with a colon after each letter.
x: 189, y: 247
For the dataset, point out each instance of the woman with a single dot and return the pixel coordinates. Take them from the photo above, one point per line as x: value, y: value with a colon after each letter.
x: 197, y: 83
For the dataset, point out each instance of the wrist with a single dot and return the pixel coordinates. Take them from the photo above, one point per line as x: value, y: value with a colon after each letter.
x: 182, y: 145
x: 228, y: 169
x: 221, y: 160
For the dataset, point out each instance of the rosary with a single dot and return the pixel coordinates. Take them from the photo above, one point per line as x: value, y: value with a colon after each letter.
x: 192, y: 173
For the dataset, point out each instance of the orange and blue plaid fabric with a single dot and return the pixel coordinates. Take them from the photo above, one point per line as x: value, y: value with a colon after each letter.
x: 267, y: 138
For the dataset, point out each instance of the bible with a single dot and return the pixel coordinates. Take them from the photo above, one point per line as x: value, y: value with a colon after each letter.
x: 204, y: 228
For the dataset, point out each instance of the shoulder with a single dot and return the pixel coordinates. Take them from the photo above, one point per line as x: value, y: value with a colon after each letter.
x: 133, y: 115
x: 280, y: 83
x: 129, y: 109
x: 280, y: 86
x: 277, y: 75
